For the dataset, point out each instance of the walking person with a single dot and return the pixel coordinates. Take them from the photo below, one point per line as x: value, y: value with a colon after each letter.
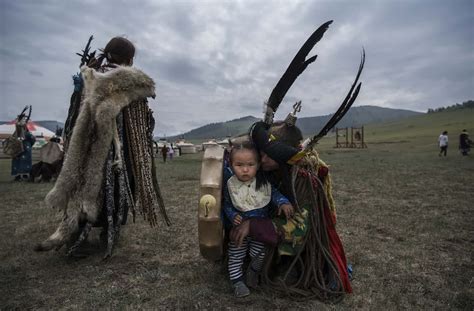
x: 464, y: 143
x: 102, y: 182
x: 170, y: 152
x: 164, y: 152
x: 443, y: 143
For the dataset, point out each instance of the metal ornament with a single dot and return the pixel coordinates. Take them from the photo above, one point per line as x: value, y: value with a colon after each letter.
x: 291, y: 117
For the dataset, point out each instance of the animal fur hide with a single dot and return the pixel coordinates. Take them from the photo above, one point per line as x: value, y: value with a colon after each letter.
x: 105, y: 95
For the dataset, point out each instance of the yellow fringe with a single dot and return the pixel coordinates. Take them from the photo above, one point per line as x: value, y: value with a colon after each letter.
x: 313, y: 162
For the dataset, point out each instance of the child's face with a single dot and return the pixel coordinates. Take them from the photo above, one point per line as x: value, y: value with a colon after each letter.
x: 244, y: 164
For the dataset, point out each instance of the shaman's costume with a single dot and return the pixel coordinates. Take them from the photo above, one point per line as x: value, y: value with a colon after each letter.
x: 51, y: 161
x: 19, y: 147
x: 108, y: 166
x: 21, y: 164
x: 464, y: 143
x: 309, y: 261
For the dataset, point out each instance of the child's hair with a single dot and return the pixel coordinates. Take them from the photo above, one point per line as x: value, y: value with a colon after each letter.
x: 247, y: 145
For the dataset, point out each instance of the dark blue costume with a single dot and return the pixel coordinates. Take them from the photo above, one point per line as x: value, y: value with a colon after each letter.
x: 23, y: 162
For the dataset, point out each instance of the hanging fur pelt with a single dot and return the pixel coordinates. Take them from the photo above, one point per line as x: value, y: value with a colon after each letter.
x: 77, y: 189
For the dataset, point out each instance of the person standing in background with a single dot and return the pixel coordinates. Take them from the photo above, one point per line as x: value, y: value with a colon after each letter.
x: 171, y: 152
x: 164, y: 152
x: 443, y: 143
x: 464, y: 143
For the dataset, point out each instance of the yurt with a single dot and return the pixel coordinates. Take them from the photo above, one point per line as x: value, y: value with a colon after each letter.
x: 185, y: 148
x: 225, y: 142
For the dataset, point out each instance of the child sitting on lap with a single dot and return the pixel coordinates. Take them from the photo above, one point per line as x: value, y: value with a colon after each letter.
x: 248, y: 195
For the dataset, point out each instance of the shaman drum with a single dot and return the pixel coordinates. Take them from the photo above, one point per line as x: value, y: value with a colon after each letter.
x: 12, y: 146
x: 210, y: 227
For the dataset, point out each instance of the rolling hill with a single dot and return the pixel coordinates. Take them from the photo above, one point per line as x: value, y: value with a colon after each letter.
x: 423, y: 128
x: 418, y: 133
x: 356, y: 116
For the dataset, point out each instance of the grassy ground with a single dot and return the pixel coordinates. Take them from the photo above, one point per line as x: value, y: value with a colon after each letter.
x: 404, y: 214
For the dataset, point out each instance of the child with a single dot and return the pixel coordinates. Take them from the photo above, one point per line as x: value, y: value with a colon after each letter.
x: 170, y: 152
x: 443, y: 143
x: 248, y: 195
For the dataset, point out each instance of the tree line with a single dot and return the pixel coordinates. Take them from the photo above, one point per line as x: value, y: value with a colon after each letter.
x: 464, y: 105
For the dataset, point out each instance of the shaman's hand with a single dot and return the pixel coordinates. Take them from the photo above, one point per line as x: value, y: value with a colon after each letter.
x: 93, y: 63
x: 240, y: 232
x: 287, y: 210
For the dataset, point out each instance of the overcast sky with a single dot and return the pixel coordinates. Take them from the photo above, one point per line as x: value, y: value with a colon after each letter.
x: 214, y: 61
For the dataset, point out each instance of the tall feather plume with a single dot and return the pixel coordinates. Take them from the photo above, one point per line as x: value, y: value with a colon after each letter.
x: 296, y: 67
x: 345, y: 106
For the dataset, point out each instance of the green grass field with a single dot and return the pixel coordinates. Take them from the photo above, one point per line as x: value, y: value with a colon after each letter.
x: 405, y: 216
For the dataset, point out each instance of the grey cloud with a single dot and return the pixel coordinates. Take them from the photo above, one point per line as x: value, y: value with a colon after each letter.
x: 36, y: 73
x: 179, y: 71
x: 7, y: 53
x: 216, y: 61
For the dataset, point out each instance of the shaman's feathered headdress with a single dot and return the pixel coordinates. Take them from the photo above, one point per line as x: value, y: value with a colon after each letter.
x: 23, y: 116
x: 282, y: 152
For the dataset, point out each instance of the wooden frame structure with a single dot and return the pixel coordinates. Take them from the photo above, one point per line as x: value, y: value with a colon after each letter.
x: 356, y: 141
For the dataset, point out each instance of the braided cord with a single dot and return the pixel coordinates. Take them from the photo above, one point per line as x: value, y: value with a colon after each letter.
x: 146, y: 192
x: 318, y: 274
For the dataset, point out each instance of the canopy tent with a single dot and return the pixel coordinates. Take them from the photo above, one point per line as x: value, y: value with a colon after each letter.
x: 7, y: 129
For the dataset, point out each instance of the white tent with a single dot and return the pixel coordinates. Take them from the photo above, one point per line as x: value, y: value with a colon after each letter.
x: 38, y: 131
x: 185, y: 147
x: 225, y: 142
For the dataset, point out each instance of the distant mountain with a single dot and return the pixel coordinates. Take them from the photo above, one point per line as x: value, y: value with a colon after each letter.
x: 357, y: 116
x: 219, y: 130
